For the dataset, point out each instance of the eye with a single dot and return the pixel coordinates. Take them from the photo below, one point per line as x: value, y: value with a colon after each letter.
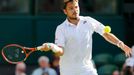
x: 76, y: 7
x: 71, y: 8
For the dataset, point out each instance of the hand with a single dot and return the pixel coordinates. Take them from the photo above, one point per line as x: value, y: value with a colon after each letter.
x: 45, y: 47
x: 126, y: 49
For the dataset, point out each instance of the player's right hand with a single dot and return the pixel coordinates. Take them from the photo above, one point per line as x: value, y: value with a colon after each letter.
x: 45, y: 47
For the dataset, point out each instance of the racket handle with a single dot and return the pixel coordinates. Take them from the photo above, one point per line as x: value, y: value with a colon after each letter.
x: 39, y: 47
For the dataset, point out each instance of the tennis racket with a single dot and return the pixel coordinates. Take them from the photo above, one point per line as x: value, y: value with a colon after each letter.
x: 14, y: 53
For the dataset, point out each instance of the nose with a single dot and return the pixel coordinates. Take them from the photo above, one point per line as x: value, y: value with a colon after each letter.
x: 75, y: 10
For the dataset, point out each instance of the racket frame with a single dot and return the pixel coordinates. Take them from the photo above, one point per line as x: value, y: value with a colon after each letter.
x: 23, y: 48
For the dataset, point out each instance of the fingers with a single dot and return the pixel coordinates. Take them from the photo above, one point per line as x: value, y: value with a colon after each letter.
x: 44, y: 47
x: 44, y: 44
x: 128, y: 55
x: 48, y: 45
x: 128, y: 51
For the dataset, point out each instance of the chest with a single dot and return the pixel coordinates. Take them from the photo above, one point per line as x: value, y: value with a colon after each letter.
x: 81, y: 32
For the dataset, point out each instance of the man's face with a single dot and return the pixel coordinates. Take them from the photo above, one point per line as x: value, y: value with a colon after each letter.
x: 72, y: 10
x: 43, y: 64
x: 21, y: 67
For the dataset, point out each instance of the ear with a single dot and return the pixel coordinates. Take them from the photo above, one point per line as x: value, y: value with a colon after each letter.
x: 64, y: 10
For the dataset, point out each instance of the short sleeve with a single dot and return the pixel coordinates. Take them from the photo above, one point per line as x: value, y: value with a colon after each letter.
x: 96, y: 26
x: 59, y: 36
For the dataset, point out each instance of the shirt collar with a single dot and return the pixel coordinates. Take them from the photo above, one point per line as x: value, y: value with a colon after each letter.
x: 70, y: 24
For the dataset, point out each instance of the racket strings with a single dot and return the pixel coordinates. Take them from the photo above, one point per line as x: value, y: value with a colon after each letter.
x: 14, y: 54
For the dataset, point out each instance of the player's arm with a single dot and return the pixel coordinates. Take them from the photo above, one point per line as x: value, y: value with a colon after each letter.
x: 114, y: 40
x: 50, y: 46
x: 105, y: 32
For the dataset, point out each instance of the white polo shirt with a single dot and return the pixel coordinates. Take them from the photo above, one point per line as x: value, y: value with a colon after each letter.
x: 77, y: 44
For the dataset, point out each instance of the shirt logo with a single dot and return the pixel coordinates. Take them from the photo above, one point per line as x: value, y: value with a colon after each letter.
x: 84, y: 22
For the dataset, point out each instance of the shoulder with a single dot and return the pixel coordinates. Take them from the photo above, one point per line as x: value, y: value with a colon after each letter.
x: 85, y: 17
x: 62, y: 26
x: 93, y: 21
x: 52, y: 71
x: 36, y: 70
x: 88, y: 18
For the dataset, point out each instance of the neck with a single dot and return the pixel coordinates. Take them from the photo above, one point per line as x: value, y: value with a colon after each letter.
x: 74, y: 21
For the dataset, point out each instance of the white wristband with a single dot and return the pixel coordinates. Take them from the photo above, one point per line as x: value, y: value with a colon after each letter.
x: 119, y: 43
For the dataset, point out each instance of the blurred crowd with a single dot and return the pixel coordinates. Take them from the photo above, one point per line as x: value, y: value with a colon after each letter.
x: 92, y: 6
x: 45, y: 68
x: 119, y: 64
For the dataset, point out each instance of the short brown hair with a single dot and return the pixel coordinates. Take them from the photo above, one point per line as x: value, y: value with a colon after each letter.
x: 66, y: 2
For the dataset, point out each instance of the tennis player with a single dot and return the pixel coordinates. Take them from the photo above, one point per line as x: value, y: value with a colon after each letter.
x: 73, y: 41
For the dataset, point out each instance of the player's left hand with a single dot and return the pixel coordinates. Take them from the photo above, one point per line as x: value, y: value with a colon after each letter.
x: 126, y: 49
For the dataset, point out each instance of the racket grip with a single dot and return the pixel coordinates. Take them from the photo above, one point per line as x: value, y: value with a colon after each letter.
x: 39, y: 47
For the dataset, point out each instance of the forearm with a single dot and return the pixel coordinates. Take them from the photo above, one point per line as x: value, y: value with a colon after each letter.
x: 112, y: 39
